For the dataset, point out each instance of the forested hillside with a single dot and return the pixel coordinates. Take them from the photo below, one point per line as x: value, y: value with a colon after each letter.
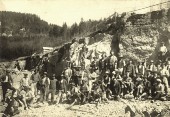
x: 23, y: 34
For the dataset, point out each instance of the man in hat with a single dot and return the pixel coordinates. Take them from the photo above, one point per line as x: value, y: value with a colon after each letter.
x: 106, y: 84
x: 128, y: 86
x: 74, y: 95
x: 162, y: 50
x: 165, y: 83
x: 159, y: 90
x: 29, y: 97
x: 164, y: 75
x: 152, y: 67
x: 93, y: 63
x: 77, y: 76
x: 102, y: 63
x: 68, y: 74
x: 159, y: 66
x: 96, y: 92
x: 130, y: 70
x: 140, y: 69
x: 52, y: 88
x: 84, y: 92
x: 112, y: 61
x: 45, y: 83
x: 164, y: 71
x: 25, y: 82
x: 35, y: 77
x: 6, y: 83
x: 146, y: 88
x: 92, y: 78
x: 138, y: 89
x: 115, y: 86
x: 121, y: 63
x: 62, y: 88
x: 154, y: 82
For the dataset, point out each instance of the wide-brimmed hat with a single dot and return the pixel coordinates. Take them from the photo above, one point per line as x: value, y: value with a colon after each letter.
x: 117, y: 71
x: 94, y: 75
x: 107, y: 72
x: 45, y: 73
x: 129, y: 79
x: 158, y: 80
x: 138, y: 79
x: 72, y: 84
x: 114, y: 72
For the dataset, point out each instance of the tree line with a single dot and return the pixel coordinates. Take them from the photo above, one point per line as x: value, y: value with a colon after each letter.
x: 23, y: 34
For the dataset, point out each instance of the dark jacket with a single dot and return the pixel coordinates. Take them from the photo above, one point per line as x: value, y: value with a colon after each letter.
x: 10, y: 80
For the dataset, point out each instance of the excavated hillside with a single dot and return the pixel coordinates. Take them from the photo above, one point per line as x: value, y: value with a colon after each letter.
x: 143, y: 33
x: 136, y: 36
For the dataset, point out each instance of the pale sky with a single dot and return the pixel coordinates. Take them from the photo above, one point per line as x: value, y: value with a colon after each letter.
x: 70, y: 11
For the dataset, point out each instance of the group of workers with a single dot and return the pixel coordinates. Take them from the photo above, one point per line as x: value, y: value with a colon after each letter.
x: 106, y: 78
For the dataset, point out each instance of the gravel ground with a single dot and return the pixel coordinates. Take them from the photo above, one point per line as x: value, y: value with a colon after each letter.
x: 111, y: 109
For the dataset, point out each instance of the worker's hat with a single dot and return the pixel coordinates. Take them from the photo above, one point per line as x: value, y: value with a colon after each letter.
x: 158, y: 80
x: 45, y: 73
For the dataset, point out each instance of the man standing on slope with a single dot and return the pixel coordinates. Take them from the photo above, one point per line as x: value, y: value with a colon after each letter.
x: 35, y: 79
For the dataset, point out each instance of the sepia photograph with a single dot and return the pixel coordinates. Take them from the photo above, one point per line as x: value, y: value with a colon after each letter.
x: 84, y: 58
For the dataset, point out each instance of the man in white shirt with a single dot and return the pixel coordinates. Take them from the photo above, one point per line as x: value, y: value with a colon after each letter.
x: 164, y: 71
x: 68, y: 74
x: 25, y: 81
x: 45, y: 83
x: 163, y: 50
x: 112, y: 61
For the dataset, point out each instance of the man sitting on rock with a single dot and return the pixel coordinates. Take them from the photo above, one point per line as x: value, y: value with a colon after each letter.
x: 159, y: 90
x: 138, y: 90
x: 128, y: 87
x: 12, y: 107
x: 73, y: 96
x: 84, y: 92
x: 115, y: 87
x: 96, y: 93
x: 146, y: 88
x: 29, y: 97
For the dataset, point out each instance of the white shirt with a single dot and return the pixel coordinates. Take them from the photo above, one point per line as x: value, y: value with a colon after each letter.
x: 25, y: 81
x: 44, y: 81
x: 68, y: 73
x: 6, y: 79
x: 163, y: 49
x: 113, y: 59
x: 164, y: 72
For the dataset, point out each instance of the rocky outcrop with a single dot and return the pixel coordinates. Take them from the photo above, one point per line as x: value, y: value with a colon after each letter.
x: 143, y: 34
